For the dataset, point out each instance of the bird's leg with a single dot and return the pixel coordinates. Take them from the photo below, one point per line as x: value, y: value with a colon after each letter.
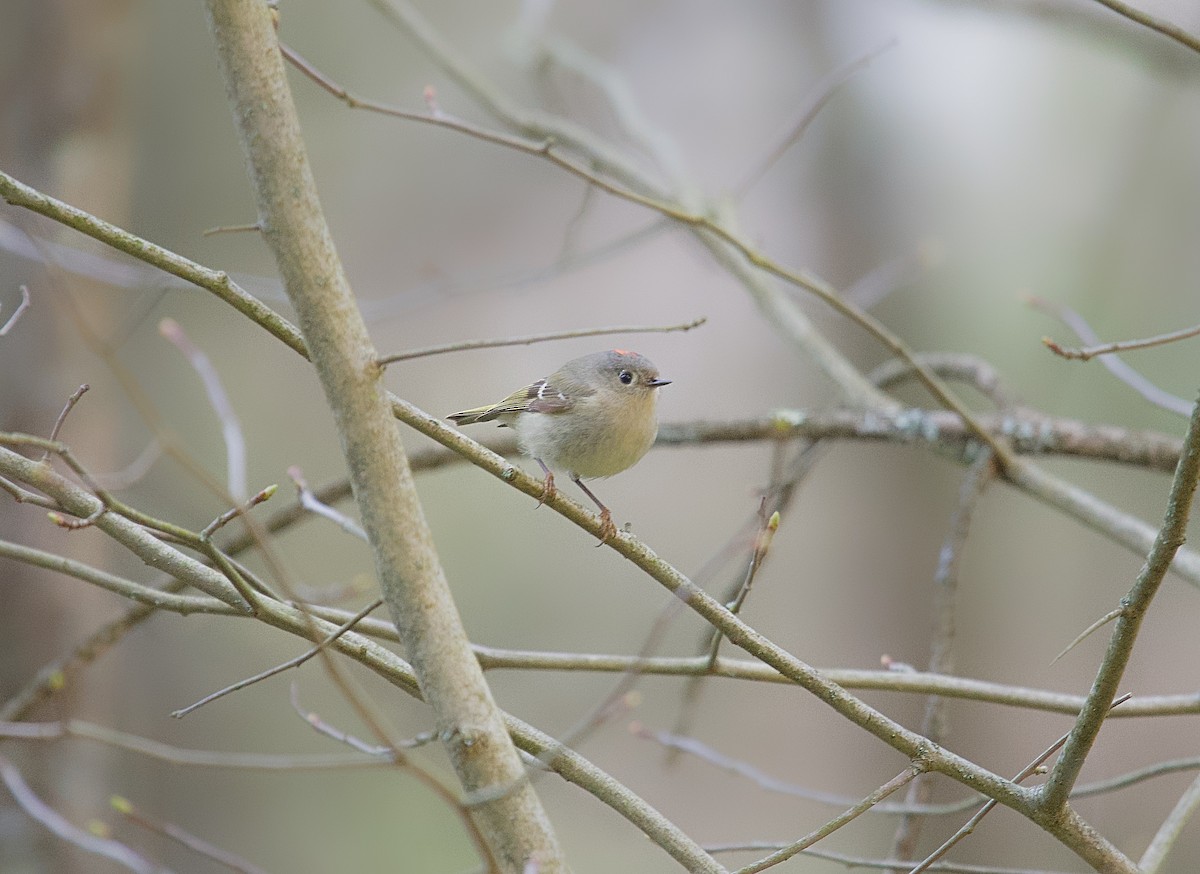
x: 548, y: 488
x: 607, y: 527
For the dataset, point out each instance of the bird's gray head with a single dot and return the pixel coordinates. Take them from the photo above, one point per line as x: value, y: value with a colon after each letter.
x: 617, y: 370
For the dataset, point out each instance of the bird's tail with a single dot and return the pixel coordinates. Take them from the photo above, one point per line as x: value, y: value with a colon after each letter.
x: 470, y: 417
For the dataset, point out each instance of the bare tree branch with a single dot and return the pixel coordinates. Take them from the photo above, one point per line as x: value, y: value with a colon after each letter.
x: 1171, y: 31
x: 410, y: 572
x: 1133, y: 610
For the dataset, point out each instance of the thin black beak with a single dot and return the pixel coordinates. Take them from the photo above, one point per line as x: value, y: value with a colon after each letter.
x: 655, y: 383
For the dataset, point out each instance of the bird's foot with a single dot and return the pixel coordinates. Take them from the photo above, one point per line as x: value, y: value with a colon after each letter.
x: 549, y: 490
x: 608, y: 528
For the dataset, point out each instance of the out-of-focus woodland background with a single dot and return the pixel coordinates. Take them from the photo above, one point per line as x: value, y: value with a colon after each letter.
x: 997, y: 150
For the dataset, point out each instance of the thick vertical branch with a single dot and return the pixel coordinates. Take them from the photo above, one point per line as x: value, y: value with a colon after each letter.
x: 409, y: 569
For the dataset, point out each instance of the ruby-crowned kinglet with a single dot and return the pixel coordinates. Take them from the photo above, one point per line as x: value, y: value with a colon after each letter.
x: 593, y: 417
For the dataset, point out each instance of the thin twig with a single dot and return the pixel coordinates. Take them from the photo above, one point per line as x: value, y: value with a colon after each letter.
x: 825, y: 90
x: 131, y: 473
x: 322, y: 727
x: 1086, y: 353
x: 53, y: 820
x: 438, y: 119
x: 1087, y: 632
x: 770, y: 783
x: 967, y: 827
x: 184, y: 838
x: 231, y: 426
x: 834, y: 824
x: 232, y: 513
x: 315, y: 505
x: 768, y: 525
x: 874, y: 286
x: 279, y: 669
x: 1112, y: 363
x: 66, y: 410
x: 465, y: 345
x: 736, y: 543
x: 159, y: 751
x: 630, y: 119
x: 1131, y: 778
x: 619, y: 701
x: 18, y: 312
x: 231, y: 229
x: 705, y: 753
x: 574, y: 226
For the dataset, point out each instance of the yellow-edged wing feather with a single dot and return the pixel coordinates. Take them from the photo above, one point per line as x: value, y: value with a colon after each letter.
x: 540, y: 397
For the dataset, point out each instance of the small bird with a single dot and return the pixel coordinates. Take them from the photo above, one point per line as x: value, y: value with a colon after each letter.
x: 593, y: 417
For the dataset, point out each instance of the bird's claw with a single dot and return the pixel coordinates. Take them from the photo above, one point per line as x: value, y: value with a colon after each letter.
x: 549, y: 490
x: 608, y: 528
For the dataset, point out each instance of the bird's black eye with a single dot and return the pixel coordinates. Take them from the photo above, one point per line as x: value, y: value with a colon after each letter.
x: 625, y: 376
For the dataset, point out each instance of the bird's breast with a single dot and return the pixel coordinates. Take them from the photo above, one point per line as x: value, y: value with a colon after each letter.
x: 593, y: 443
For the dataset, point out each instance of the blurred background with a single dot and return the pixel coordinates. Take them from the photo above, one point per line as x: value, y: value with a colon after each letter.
x: 996, y: 150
